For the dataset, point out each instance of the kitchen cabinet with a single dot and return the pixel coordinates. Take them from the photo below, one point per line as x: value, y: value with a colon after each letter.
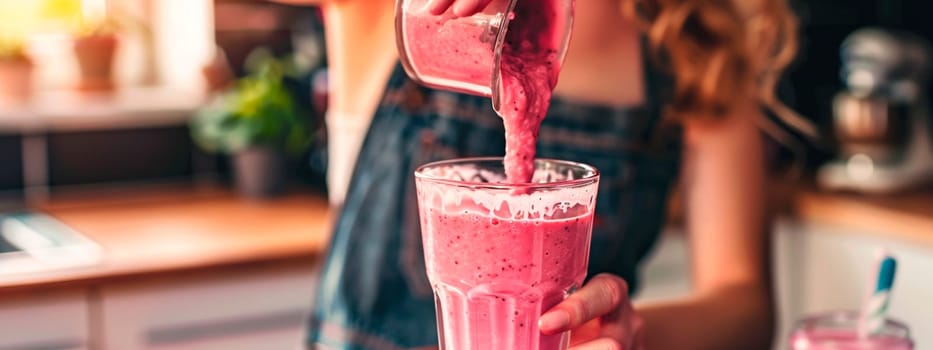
x: 666, y: 274
x: 41, y: 320
x: 827, y: 267
x: 254, y: 307
x: 817, y: 268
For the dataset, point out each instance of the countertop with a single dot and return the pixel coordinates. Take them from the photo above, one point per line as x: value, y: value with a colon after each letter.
x: 166, y: 230
x: 157, y: 231
x: 907, y: 217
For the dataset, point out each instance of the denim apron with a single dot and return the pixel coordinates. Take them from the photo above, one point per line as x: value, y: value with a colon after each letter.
x: 374, y: 293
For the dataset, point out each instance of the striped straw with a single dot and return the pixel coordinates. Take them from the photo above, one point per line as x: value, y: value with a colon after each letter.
x: 875, y: 310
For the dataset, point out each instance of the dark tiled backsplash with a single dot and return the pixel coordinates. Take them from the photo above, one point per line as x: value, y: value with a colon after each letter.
x: 11, y: 170
x: 113, y: 156
x: 814, y: 78
x: 108, y: 156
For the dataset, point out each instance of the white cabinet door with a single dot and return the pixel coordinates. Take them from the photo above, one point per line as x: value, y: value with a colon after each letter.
x: 828, y: 268
x: 816, y: 268
x: 244, y: 308
x: 665, y: 274
x: 39, y: 320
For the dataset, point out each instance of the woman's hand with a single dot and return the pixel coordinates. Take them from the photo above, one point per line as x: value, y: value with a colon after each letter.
x: 600, y: 316
x: 461, y: 8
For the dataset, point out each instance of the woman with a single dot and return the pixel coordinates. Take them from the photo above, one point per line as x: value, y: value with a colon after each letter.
x: 614, y: 109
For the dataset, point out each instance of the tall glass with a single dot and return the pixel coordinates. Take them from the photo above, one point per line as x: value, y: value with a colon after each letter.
x: 839, y: 331
x: 498, y: 255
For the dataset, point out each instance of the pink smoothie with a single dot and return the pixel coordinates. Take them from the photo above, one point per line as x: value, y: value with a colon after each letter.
x: 843, y: 339
x: 438, y: 42
x: 529, y: 68
x: 494, y: 277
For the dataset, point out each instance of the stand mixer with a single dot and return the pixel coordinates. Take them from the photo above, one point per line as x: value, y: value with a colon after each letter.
x: 882, y: 119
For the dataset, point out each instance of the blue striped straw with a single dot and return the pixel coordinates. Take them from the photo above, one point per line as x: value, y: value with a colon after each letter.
x: 875, y: 310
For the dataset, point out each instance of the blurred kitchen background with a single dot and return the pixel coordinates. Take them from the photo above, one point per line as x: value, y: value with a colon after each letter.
x: 161, y: 171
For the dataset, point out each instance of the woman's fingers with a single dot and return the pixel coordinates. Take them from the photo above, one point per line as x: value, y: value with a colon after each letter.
x: 461, y: 8
x: 602, y: 295
x: 600, y: 315
x: 600, y: 344
x: 464, y: 8
x: 438, y: 7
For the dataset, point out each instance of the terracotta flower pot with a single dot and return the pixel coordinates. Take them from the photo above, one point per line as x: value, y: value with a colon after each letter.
x: 95, y: 55
x: 15, y: 81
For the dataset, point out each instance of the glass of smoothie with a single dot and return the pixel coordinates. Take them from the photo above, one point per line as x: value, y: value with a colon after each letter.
x: 839, y: 331
x: 471, y: 54
x: 500, y: 254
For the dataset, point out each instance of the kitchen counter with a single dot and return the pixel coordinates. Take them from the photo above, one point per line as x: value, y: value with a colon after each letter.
x: 162, y: 230
x: 159, y: 231
x: 907, y: 217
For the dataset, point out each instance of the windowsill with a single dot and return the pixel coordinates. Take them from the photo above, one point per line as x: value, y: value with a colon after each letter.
x: 125, y: 108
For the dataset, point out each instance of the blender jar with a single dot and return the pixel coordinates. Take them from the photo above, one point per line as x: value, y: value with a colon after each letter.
x: 464, y: 54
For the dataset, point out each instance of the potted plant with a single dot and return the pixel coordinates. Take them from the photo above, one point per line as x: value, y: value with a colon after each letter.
x: 94, y: 27
x: 259, y: 123
x: 95, y: 52
x: 15, y: 73
x: 95, y: 44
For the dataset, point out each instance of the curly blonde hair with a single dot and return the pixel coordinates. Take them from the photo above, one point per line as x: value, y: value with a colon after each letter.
x: 718, y: 50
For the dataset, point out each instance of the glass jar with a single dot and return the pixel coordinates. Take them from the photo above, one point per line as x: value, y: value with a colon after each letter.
x: 839, y: 331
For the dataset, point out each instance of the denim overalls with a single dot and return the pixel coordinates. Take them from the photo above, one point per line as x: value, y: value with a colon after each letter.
x: 373, y: 291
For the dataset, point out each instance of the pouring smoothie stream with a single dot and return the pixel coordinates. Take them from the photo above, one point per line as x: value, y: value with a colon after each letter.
x: 530, y: 66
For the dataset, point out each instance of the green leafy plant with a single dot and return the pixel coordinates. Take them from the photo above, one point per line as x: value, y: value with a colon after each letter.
x: 259, y: 110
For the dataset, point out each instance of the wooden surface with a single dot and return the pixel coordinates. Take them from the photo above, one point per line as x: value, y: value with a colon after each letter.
x: 907, y: 217
x: 157, y: 231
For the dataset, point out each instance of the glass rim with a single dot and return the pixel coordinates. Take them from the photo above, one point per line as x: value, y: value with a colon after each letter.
x: 592, y: 175
x: 848, y: 315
